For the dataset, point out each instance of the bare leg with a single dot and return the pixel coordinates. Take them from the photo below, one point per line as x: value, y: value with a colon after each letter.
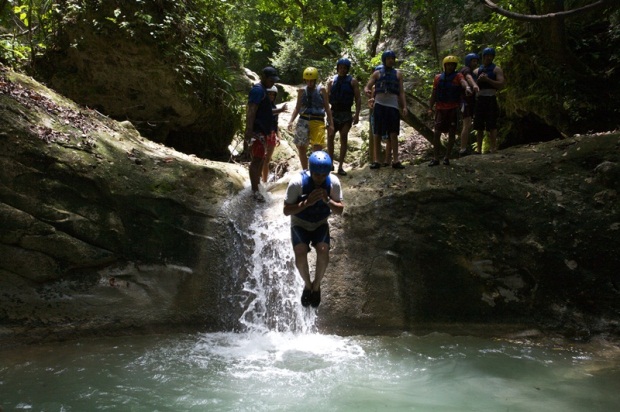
x: 479, y: 139
x: 493, y: 140
x: 301, y: 261
x: 436, y: 143
x: 344, y: 139
x: 266, y: 161
x: 451, y: 138
x: 322, y: 260
x: 331, y: 137
x: 388, y: 152
x: 376, y: 149
x: 394, y: 143
x: 465, y: 133
x: 303, y: 156
x: 255, y: 170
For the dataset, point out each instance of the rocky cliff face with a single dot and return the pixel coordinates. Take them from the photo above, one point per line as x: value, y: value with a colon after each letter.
x: 529, y: 235
x: 103, y: 231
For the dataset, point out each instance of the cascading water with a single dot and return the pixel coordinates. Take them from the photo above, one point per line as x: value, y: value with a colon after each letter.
x: 265, y: 264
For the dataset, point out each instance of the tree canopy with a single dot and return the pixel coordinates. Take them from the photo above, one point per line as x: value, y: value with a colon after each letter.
x: 550, y: 50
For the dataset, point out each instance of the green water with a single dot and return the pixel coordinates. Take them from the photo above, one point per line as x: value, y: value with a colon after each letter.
x: 282, y: 364
x: 308, y: 372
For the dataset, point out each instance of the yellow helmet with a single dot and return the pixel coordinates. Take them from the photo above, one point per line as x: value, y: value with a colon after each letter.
x: 450, y: 59
x: 311, y: 73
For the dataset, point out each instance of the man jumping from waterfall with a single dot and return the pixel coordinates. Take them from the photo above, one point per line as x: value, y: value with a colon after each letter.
x: 311, y: 197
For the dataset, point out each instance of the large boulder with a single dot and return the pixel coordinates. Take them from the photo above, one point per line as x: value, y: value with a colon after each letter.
x: 100, y: 228
x: 526, y: 236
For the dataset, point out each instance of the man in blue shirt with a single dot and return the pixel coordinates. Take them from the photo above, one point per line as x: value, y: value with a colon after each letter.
x: 259, y: 130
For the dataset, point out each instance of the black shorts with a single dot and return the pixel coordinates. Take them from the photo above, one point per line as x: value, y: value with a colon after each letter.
x: 486, y: 113
x: 446, y: 120
x: 387, y: 120
x: 301, y: 235
x: 341, y: 119
x: 469, y: 105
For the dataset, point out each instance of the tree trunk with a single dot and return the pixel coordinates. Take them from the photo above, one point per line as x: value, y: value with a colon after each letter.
x: 553, y: 33
x: 377, y: 35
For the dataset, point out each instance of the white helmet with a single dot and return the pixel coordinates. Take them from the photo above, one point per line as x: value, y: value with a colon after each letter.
x: 272, y: 89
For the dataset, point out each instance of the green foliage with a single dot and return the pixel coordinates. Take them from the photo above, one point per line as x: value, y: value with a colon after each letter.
x: 192, y: 40
x: 25, y: 26
x: 497, y: 31
x: 419, y: 65
x: 290, y: 60
x: 320, y: 20
x: 551, y: 83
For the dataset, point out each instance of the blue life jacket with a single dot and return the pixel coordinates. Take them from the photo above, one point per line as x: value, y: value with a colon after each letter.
x: 263, y: 122
x: 489, y: 71
x: 447, y: 89
x: 388, y: 82
x: 320, y: 210
x: 312, y: 104
x: 341, y: 94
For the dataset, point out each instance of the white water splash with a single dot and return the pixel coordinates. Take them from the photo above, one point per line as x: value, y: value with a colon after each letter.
x: 271, y: 283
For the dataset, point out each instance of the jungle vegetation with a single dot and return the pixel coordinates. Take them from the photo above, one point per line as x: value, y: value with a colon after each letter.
x: 560, y: 57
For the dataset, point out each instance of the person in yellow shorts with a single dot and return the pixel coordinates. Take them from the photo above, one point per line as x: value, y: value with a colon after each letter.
x: 312, y: 107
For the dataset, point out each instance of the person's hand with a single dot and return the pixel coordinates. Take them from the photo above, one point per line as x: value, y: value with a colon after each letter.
x: 476, y: 88
x: 290, y: 126
x: 468, y: 91
x: 483, y: 78
x: 405, y: 112
x: 316, y: 195
x: 248, y: 134
x: 367, y: 92
x: 356, y: 119
x: 284, y: 108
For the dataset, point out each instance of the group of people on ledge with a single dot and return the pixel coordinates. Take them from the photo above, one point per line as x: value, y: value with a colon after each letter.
x: 472, y: 90
x: 315, y: 193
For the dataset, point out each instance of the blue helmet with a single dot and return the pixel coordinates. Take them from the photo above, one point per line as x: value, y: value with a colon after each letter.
x: 386, y: 54
x: 320, y: 162
x: 344, y: 61
x: 488, y: 50
x: 470, y: 57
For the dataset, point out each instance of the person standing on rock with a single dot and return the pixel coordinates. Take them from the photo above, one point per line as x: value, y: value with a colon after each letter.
x: 446, y: 97
x: 272, y: 92
x: 389, y: 95
x: 311, y: 197
x: 259, y: 130
x: 312, y: 107
x: 490, y: 78
x: 343, y: 90
x: 469, y: 102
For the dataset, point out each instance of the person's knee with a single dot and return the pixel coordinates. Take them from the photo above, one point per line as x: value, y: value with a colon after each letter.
x: 301, y: 249
x: 322, y: 248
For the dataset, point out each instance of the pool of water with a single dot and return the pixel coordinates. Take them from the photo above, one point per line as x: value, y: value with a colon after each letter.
x: 276, y: 371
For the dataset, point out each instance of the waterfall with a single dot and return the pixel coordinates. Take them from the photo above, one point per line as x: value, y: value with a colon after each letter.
x: 263, y: 266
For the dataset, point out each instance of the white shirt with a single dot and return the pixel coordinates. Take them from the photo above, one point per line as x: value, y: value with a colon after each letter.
x: 295, y: 190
